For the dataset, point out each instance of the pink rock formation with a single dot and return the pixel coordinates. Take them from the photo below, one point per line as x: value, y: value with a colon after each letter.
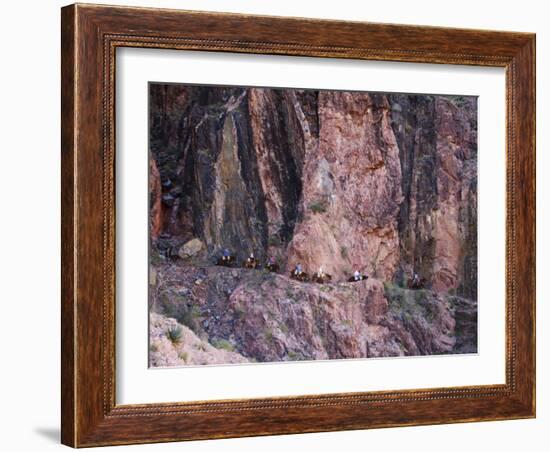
x: 343, y: 181
x: 383, y: 184
x: 267, y: 317
x: 455, y: 174
x: 352, y: 190
x: 187, y: 350
x: 155, y: 196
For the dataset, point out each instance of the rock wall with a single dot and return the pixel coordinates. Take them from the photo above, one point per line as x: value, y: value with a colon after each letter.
x: 281, y: 135
x: 437, y: 137
x: 352, y: 190
x: 267, y: 317
x: 156, y: 219
x: 385, y: 184
x: 172, y: 344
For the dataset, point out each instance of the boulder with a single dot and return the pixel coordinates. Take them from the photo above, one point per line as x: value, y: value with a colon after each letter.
x: 190, y: 248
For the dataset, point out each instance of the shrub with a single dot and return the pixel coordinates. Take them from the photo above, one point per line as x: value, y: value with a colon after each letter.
x: 318, y: 207
x: 175, y: 334
x: 294, y: 356
x: 223, y: 344
x: 274, y: 240
x: 268, y: 334
x: 240, y: 313
x: 459, y: 101
x: 410, y: 304
x: 201, y: 347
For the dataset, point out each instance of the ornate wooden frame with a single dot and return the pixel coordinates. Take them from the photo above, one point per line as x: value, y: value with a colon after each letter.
x: 90, y: 35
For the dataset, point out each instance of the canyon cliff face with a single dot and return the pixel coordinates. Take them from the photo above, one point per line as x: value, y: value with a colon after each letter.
x: 383, y: 184
x: 437, y: 137
x: 260, y: 316
x: 352, y: 190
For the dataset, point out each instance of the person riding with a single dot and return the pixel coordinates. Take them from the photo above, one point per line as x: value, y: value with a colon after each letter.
x: 321, y: 277
x: 271, y: 264
x: 251, y: 262
x: 416, y: 281
x: 357, y: 276
x: 299, y: 274
x: 226, y: 259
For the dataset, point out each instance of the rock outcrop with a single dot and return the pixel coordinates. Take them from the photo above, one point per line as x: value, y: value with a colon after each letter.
x: 268, y: 317
x: 383, y: 184
x: 437, y: 138
x: 352, y: 190
x: 155, y: 201
x: 172, y: 344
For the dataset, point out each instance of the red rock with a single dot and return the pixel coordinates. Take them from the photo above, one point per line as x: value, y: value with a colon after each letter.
x: 155, y: 196
x: 383, y: 184
x: 352, y: 190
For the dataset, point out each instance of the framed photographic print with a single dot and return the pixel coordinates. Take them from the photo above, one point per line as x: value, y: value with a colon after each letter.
x: 281, y: 225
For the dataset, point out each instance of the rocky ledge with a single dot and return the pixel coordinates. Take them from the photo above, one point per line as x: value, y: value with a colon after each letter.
x: 208, y: 315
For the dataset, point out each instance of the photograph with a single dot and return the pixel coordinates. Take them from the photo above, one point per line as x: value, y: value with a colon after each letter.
x: 303, y: 225
x: 300, y: 224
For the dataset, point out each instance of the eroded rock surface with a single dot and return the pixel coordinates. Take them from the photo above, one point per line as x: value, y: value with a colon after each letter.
x: 437, y: 138
x: 352, y: 190
x: 383, y: 184
x: 268, y: 317
x: 172, y: 344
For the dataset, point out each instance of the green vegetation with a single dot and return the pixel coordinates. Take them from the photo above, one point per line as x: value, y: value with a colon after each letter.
x: 240, y: 312
x: 154, y: 257
x: 401, y: 347
x: 318, y: 207
x: 410, y: 304
x: 178, y: 307
x: 184, y: 356
x: 294, y: 356
x: 274, y: 240
x: 344, y: 252
x: 459, y: 101
x: 201, y: 347
x: 174, y: 334
x: 268, y: 334
x: 223, y: 344
x: 191, y: 317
